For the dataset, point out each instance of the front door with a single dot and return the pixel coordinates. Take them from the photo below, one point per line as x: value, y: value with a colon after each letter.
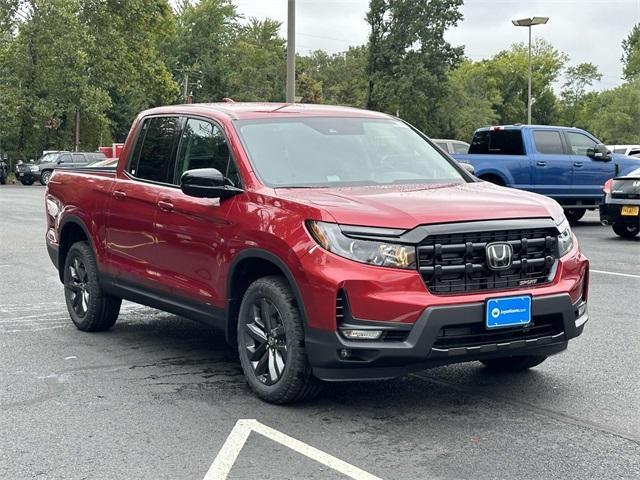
x: 132, y: 242
x: 589, y: 175
x: 192, y: 232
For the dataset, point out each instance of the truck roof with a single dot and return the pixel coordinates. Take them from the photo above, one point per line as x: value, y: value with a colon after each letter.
x: 518, y: 126
x: 250, y: 110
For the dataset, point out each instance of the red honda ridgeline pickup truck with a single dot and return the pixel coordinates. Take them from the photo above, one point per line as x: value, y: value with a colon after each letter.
x: 327, y: 243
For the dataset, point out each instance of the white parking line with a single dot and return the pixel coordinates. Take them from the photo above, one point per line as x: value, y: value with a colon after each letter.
x: 229, y: 452
x: 630, y: 275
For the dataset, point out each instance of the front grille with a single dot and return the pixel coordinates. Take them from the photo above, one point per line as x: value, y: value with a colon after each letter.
x: 452, y: 263
x: 475, y: 334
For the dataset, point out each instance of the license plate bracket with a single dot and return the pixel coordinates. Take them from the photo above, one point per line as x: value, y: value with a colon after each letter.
x: 507, y: 312
x: 630, y: 211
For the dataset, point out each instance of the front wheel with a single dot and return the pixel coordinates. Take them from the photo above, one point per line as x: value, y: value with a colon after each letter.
x: 27, y: 182
x: 45, y: 176
x: 514, y: 364
x: 91, y: 309
x: 574, y: 214
x: 271, y: 343
x: 626, y: 230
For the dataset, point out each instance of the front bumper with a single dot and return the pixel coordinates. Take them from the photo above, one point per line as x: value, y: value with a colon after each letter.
x: 334, y: 358
x: 28, y: 176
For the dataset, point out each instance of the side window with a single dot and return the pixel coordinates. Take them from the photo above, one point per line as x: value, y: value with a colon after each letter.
x: 203, y: 145
x: 66, y: 158
x: 459, y: 147
x: 634, y: 151
x: 579, y: 143
x: 548, y: 141
x: 620, y: 150
x: 78, y: 158
x: 442, y: 146
x: 154, y: 150
x: 498, y: 142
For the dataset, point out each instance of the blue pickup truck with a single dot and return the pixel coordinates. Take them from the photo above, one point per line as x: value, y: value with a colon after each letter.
x: 566, y: 164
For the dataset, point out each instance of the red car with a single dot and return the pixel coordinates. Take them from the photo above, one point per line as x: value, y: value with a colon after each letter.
x: 327, y: 243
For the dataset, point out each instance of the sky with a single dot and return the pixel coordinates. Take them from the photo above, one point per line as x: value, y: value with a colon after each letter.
x: 587, y: 30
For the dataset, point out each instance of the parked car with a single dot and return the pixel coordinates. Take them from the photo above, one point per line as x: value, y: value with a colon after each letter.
x: 3, y: 172
x: 42, y: 169
x: 621, y: 207
x: 631, y: 150
x: 566, y: 164
x: 451, y: 146
x: 327, y: 243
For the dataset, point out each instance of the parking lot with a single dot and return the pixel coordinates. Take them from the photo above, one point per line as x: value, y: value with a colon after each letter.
x: 158, y: 396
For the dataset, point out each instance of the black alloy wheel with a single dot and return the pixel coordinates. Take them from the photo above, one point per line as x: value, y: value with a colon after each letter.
x: 266, y: 342
x: 78, y: 287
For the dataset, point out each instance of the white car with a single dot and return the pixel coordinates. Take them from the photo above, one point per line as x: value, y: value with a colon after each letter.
x: 625, y: 149
x: 451, y: 146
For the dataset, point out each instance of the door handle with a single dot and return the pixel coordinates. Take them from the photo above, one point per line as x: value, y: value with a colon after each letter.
x: 541, y: 163
x: 119, y: 195
x: 165, y: 206
x: 578, y: 164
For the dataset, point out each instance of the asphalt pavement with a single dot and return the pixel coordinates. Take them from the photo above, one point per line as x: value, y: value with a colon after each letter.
x: 158, y: 396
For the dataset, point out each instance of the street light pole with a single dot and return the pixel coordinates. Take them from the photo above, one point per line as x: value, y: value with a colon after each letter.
x: 291, y: 52
x: 529, y: 22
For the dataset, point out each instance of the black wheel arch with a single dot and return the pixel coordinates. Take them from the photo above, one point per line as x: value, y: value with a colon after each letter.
x: 265, y: 263
x: 71, y: 230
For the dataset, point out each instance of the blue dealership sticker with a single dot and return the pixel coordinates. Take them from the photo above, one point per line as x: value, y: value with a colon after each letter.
x: 508, y: 311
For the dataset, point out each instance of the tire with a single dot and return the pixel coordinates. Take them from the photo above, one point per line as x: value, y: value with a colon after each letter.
x: 514, y: 364
x: 91, y: 309
x: 493, y: 179
x: 3, y: 180
x: 45, y: 176
x: 271, y: 343
x: 626, y: 230
x: 574, y: 214
x: 27, y: 182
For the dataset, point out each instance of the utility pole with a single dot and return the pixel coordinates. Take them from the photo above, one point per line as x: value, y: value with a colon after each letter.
x: 291, y: 52
x: 185, y: 88
x: 529, y: 22
x: 77, y: 142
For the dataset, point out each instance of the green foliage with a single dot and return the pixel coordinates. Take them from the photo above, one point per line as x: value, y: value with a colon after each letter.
x: 577, y: 79
x: 614, y: 115
x: 409, y: 59
x: 631, y: 54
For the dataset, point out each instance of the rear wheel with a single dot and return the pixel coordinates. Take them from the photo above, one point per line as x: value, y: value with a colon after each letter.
x: 91, y: 309
x: 271, y: 343
x: 493, y: 179
x: 27, y: 182
x: 574, y: 214
x: 626, y: 230
x: 514, y: 364
x: 45, y: 176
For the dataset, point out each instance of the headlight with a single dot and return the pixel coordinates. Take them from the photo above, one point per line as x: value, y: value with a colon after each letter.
x: 383, y: 254
x: 34, y: 168
x: 565, y: 239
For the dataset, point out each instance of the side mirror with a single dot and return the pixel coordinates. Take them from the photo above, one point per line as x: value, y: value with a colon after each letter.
x: 600, y: 152
x: 468, y: 167
x: 206, y: 183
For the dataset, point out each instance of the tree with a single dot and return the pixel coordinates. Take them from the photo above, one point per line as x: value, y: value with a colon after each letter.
x: 409, y: 58
x: 509, y: 69
x: 615, y: 114
x: 257, y: 63
x: 577, y: 79
x: 631, y: 54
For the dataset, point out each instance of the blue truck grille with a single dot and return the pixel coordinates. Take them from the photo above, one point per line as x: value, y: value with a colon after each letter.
x: 457, y: 263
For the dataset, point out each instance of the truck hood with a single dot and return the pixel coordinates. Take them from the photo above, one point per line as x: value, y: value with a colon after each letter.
x: 407, y: 206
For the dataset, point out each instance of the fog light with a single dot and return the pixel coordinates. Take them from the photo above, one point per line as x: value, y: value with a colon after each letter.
x: 581, y: 309
x: 345, y: 353
x: 362, y: 334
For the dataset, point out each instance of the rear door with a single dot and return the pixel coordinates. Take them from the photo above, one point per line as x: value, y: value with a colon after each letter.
x: 589, y: 175
x: 551, y: 164
x: 132, y: 242
x: 192, y: 232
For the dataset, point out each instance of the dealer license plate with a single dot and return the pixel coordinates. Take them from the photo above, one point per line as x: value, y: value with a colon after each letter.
x: 630, y: 211
x: 508, y: 312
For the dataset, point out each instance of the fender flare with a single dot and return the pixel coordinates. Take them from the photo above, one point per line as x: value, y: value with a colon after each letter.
x: 75, y: 220
x: 278, y: 262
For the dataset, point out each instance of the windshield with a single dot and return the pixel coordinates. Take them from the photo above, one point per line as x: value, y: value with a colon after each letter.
x: 324, y: 152
x: 48, y: 158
